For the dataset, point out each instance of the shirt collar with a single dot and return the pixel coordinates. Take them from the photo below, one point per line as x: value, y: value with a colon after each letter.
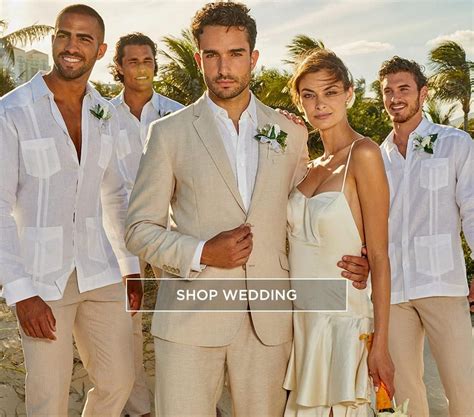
x: 250, y: 112
x: 422, y: 129
x: 40, y: 89
x: 155, y: 100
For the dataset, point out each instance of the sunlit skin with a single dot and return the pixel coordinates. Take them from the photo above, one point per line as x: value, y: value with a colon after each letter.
x: 226, y: 62
x: 324, y: 101
x: 404, y: 104
x: 77, y: 44
x: 138, y: 70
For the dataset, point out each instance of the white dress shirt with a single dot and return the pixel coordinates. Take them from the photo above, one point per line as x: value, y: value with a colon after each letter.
x: 133, y: 132
x: 242, y: 151
x: 431, y: 197
x: 53, y: 209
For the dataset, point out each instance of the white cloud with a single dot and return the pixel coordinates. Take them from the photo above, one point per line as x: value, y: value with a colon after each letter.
x: 463, y: 37
x: 362, y: 47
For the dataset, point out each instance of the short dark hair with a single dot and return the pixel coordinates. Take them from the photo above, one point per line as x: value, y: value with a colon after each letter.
x: 228, y: 14
x: 320, y: 59
x: 397, y: 64
x: 135, y: 38
x: 84, y: 10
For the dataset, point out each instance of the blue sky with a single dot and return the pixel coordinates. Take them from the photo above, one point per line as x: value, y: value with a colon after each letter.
x: 363, y: 33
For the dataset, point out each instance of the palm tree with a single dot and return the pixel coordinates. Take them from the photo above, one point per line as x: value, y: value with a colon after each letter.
x: 21, y: 37
x: 300, y: 46
x: 180, y: 77
x: 271, y: 87
x: 7, y: 82
x: 452, y: 79
x: 436, y: 114
x: 107, y: 90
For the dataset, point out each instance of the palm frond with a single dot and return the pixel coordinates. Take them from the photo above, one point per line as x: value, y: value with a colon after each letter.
x: 452, y: 78
x: 301, y: 46
x: 21, y: 37
x: 180, y: 77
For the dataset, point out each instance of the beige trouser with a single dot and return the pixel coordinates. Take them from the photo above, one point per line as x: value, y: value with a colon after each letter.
x: 189, y: 379
x: 138, y: 403
x: 447, y: 323
x: 103, y: 333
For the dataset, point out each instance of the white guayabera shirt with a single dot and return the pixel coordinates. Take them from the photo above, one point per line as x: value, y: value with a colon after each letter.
x: 133, y: 132
x: 53, y: 209
x: 431, y: 197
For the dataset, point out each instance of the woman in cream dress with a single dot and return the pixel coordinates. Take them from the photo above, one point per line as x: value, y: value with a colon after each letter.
x: 340, y: 206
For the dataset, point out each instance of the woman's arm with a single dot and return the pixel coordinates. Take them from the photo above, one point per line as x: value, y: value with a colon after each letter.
x: 368, y: 170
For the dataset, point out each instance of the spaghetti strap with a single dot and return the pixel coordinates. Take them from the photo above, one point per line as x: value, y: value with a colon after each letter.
x: 347, y: 164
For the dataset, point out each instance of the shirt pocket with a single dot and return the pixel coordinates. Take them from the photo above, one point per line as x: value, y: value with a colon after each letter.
x: 434, y: 254
x: 42, y: 249
x: 106, y: 146
x: 123, y: 145
x: 434, y: 173
x: 40, y: 157
x: 95, y: 239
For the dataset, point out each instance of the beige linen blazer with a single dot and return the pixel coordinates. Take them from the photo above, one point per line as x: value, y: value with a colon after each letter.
x: 185, y: 164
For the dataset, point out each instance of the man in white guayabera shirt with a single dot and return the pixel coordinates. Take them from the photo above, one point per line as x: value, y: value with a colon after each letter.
x: 430, y: 169
x: 137, y: 106
x: 60, y: 184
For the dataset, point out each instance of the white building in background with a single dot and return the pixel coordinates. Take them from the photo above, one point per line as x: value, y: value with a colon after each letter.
x: 27, y: 64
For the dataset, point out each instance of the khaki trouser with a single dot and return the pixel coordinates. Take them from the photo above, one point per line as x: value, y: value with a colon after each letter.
x: 102, y: 330
x: 189, y: 379
x: 138, y: 403
x: 447, y: 324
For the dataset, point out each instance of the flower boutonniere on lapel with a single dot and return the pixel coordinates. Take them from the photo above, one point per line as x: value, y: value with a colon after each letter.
x: 425, y: 143
x: 101, y: 112
x: 273, y: 135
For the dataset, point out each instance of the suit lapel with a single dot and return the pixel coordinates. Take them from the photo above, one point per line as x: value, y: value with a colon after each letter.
x: 265, y: 164
x: 208, y: 133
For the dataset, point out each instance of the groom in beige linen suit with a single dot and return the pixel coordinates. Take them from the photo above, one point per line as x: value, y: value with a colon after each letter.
x: 219, y: 180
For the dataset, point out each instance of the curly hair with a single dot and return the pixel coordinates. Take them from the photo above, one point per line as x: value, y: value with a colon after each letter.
x: 397, y: 64
x: 135, y: 38
x: 228, y: 14
x: 320, y: 59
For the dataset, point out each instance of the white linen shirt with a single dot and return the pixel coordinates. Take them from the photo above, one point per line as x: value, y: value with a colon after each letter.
x: 133, y: 132
x: 431, y: 196
x: 242, y: 150
x: 53, y: 209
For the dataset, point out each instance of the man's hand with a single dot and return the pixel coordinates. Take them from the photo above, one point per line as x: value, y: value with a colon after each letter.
x: 228, y: 249
x: 356, y: 269
x: 134, y: 292
x: 292, y: 117
x: 36, y: 318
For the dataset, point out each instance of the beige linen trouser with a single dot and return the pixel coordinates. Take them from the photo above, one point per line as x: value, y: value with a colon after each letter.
x: 189, y: 379
x: 102, y: 330
x: 447, y: 323
x: 138, y: 403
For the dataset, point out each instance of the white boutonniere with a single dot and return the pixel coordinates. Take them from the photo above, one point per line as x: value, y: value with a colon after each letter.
x: 101, y: 112
x: 273, y: 135
x: 425, y: 143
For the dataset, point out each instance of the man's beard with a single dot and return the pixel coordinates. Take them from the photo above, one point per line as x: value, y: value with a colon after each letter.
x: 412, y: 111
x: 71, y: 74
x: 223, y: 94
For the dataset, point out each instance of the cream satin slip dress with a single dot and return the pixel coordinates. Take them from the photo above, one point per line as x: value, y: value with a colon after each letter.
x: 328, y: 364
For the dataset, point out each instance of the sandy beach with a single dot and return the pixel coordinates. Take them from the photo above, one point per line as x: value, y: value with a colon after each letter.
x: 12, y: 374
